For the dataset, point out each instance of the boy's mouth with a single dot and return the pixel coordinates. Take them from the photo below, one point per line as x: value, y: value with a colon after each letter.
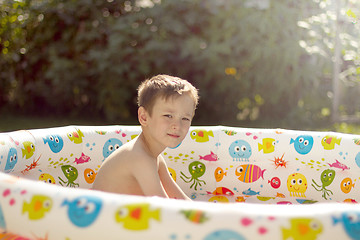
x: 173, y: 135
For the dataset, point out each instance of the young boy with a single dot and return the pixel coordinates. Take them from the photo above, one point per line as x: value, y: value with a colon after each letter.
x: 166, y: 107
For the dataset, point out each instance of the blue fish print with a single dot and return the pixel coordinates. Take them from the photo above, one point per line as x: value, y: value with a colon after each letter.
x: 55, y: 142
x: 303, y: 144
x: 250, y: 192
x: 351, y: 223
x: 11, y: 160
x: 83, y: 211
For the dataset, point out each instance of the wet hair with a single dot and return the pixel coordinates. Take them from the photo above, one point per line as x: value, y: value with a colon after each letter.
x: 164, y: 86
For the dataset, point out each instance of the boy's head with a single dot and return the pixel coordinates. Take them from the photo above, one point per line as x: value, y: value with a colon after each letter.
x: 164, y: 86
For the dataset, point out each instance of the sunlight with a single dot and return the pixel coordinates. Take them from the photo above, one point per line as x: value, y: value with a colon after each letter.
x: 147, y: 3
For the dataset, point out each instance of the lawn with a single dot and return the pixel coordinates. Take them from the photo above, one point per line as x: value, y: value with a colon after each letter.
x: 13, y: 123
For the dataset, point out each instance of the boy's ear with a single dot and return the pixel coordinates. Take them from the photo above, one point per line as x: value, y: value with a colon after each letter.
x: 143, y: 116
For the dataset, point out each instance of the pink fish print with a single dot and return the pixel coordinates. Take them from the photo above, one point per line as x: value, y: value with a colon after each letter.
x: 210, y: 157
x: 338, y: 164
x: 82, y: 159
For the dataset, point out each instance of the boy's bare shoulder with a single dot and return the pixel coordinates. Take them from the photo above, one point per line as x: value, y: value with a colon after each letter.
x: 139, y: 155
x: 131, y: 153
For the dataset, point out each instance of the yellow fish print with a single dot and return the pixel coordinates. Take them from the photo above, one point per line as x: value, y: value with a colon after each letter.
x: 76, y: 136
x: 37, y: 207
x: 28, y: 150
x: 136, y: 216
x: 328, y: 142
x: 219, y: 199
x: 302, y: 228
x: 201, y: 135
x: 268, y: 145
x: 264, y: 199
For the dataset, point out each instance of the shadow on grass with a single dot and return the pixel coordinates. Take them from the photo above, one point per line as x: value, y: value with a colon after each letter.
x: 13, y: 123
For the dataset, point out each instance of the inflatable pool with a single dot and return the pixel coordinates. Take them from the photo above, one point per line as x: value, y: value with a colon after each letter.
x: 245, y: 183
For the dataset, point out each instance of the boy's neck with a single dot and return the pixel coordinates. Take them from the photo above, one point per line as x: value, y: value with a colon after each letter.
x: 153, y: 149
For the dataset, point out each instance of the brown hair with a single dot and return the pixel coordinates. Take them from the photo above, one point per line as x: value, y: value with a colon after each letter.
x: 163, y: 86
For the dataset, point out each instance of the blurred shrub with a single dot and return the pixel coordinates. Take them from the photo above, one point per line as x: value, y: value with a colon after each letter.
x: 86, y: 58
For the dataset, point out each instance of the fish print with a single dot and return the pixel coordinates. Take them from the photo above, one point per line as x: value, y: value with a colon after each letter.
x: 82, y: 159
x: 264, y: 199
x: 84, y: 210
x: 350, y: 222
x: 221, y: 191
x: 356, y: 141
x: 55, y: 143
x: 249, y: 173
x: 303, y: 144
x: 201, y: 135
x: 229, y: 132
x: 137, y: 216
x: 346, y: 185
x: 303, y: 228
x: 28, y: 150
x: 11, y: 161
x: 76, y: 136
x: 250, y: 192
x: 89, y: 175
x: 37, y: 207
x: 218, y: 199
x: 195, y: 216
x: 268, y: 145
x: 306, y: 201
x: 219, y: 174
x: 328, y: 142
x: 275, y: 182
x: 212, y: 157
x: 338, y: 164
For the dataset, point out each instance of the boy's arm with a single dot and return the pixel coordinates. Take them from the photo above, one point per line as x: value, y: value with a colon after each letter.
x: 148, y: 178
x: 171, y: 188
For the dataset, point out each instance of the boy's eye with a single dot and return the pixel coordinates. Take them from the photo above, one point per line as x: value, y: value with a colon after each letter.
x: 186, y: 119
x: 168, y: 115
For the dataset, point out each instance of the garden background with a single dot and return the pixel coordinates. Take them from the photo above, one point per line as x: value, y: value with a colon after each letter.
x: 257, y: 63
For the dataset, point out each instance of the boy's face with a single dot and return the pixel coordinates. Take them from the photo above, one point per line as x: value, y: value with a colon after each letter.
x: 171, y: 119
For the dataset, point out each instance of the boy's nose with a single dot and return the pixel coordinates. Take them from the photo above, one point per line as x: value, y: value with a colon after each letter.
x: 175, y: 124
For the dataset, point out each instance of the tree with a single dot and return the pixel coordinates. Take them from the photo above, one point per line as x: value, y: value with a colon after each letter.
x: 253, y: 61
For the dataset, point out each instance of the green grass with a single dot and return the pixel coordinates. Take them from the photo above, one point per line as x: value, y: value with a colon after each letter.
x: 13, y: 123
x: 347, y: 128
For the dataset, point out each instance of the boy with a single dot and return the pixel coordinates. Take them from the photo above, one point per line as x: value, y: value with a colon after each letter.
x: 166, y: 107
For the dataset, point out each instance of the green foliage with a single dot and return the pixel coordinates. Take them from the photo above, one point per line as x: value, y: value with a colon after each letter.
x: 321, y: 33
x: 87, y: 57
